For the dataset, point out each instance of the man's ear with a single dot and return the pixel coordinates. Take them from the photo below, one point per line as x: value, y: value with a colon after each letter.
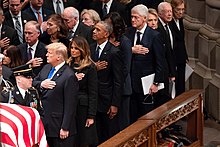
x: 3, y: 18
x: 107, y: 34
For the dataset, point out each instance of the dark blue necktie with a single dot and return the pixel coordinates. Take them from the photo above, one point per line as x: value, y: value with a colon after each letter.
x: 104, y: 10
x: 97, y: 53
x: 51, y: 73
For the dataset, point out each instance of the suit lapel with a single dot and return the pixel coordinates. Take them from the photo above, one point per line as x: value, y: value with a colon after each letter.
x: 105, y: 51
x: 10, y: 21
x: 38, y: 50
x: 59, y: 73
x: 145, y: 38
x: 3, y: 32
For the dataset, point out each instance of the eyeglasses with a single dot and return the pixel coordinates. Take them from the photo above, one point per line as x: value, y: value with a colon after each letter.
x: 149, y: 99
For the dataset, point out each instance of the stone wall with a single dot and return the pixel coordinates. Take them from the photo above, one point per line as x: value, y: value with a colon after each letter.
x: 202, y: 32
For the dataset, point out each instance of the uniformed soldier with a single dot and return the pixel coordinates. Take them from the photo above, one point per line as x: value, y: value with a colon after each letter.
x: 22, y: 93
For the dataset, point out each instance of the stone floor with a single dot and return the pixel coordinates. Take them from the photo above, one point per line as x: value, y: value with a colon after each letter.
x: 211, y: 133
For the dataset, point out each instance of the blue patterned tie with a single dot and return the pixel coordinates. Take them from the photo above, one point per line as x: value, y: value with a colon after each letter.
x: 51, y: 73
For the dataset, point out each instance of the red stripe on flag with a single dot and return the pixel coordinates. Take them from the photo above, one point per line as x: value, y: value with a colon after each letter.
x: 24, y: 123
x: 12, y: 125
x: 7, y: 139
x: 34, y: 127
x: 33, y: 121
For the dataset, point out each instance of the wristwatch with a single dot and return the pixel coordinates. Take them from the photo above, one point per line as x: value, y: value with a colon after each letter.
x: 156, y: 83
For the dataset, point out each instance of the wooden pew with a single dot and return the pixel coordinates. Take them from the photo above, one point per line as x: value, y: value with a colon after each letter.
x: 143, y: 132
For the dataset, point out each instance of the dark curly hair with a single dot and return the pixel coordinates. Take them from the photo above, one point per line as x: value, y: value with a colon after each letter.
x: 118, y: 24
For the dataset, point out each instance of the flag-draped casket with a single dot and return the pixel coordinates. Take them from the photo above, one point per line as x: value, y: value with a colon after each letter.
x: 21, y: 126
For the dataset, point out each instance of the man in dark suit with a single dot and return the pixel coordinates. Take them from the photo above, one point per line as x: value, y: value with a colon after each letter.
x: 16, y: 19
x: 76, y: 28
x: 39, y: 13
x: 52, y: 5
x: 165, y: 16
x: 110, y: 80
x: 148, y: 58
x: 180, y: 52
x: 58, y: 90
x: 104, y: 7
x: 8, y: 36
x: 33, y: 51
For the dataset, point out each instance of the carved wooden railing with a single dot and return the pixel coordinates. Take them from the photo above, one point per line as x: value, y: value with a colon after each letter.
x: 143, y: 132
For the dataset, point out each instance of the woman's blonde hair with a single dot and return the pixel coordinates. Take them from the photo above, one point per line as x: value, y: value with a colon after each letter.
x: 92, y: 13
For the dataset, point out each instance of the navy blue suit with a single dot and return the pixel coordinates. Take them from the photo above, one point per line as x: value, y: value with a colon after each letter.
x: 59, y: 103
x: 143, y: 65
x: 69, y: 3
x: 45, y: 13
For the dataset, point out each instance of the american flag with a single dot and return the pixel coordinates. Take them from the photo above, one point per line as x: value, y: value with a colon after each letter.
x: 21, y: 126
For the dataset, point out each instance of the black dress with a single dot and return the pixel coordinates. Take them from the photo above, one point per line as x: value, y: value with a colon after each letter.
x: 87, y: 105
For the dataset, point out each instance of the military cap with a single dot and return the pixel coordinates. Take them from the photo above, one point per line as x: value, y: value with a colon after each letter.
x: 23, y: 70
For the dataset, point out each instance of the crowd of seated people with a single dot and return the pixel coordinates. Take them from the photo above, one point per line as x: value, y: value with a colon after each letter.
x: 86, y: 60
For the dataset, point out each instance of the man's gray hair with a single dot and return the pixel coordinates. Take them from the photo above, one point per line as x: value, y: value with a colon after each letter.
x: 141, y: 10
x: 161, y: 6
x: 73, y: 12
x: 107, y: 26
x: 34, y: 23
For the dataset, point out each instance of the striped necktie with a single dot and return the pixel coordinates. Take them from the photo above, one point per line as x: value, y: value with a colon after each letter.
x: 58, y: 10
x: 18, y: 29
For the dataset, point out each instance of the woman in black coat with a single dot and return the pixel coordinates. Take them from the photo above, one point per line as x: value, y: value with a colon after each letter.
x: 86, y: 74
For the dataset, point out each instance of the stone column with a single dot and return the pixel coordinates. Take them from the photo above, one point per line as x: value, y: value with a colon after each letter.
x: 212, y: 96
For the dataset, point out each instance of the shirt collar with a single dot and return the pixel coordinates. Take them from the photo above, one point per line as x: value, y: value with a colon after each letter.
x: 143, y: 29
x: 75, y: 27
x: 33, y: 46
x: 103, y: 45
x: 162, y: 22
x: 22, y: 91
x: 59, y: 66
x: 35, y: 11
x: 19, y: 14
x: 108, y: 4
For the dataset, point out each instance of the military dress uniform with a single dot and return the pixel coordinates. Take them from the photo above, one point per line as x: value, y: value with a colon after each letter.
x: 12, y: 94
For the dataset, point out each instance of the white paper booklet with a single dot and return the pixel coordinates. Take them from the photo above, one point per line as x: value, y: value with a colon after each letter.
x: 147, y: 81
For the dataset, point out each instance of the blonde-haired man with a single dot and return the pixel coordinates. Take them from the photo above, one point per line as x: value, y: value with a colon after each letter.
x: 58, y: 88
